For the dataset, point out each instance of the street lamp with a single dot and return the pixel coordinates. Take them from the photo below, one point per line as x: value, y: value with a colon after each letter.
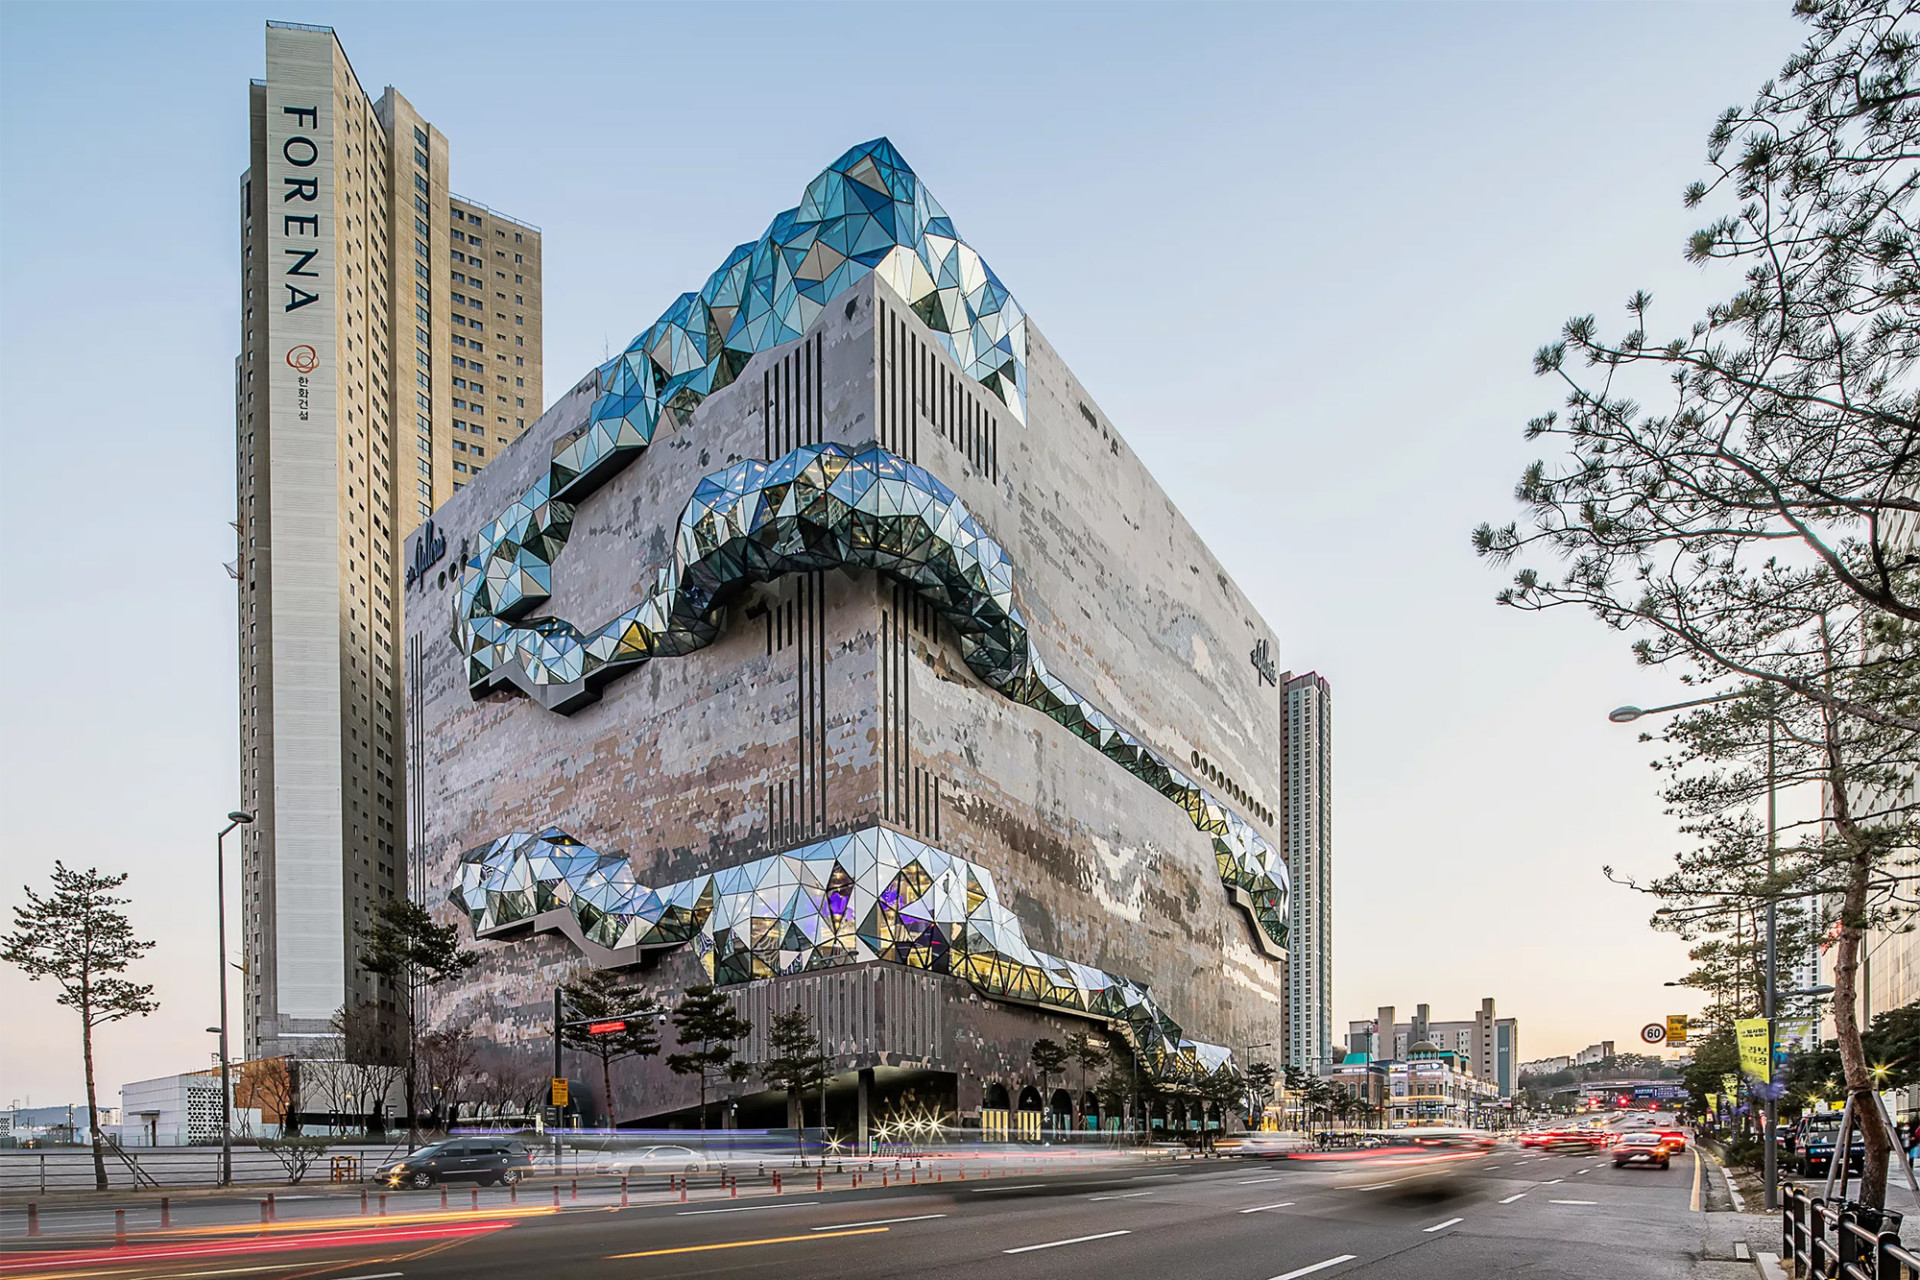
x: 238, y: 817
x: 1628, y: 714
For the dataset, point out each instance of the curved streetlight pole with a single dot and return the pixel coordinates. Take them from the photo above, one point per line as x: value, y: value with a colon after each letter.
x: 237, y: 818
x: 1626, y: 715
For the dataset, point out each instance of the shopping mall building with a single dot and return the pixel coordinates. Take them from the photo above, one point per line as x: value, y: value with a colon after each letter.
x: 829, y: 643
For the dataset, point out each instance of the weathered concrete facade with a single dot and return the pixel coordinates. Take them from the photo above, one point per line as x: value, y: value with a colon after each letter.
x: 835, y: 701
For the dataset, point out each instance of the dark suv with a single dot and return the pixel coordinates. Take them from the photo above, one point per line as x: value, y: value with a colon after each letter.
x: 1813, y: 1142
x: 483, y: 1160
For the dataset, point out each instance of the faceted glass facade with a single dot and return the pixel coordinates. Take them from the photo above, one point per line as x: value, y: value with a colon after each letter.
x: 820, y: 507
x: 875, y: 895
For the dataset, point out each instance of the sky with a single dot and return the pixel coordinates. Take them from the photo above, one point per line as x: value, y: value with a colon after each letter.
x: 1301, y: 254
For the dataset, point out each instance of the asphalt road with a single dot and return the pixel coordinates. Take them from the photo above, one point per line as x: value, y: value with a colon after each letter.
x: 1504, y: 1213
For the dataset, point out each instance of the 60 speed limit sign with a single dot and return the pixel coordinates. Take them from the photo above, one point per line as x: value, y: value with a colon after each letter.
x: 1653, y: 1033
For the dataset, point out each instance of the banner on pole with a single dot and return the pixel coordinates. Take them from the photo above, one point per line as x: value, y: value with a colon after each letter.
x: 1756, y: 1050
x: 1713, y: 1102
x: 1676, y: 1031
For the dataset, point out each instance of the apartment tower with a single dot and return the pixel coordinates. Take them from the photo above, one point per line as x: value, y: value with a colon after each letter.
x: 1306, y: 758
x: 390, y: 346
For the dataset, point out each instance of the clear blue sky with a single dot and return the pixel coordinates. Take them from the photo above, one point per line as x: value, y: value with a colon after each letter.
x: 1301, y: 254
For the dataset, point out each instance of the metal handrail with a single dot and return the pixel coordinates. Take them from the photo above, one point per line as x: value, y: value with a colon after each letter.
x: 1841, y: 1240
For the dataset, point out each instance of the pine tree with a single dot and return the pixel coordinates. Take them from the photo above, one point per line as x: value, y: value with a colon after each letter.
x: 78, y: 937
x: 407, y: 948
x: 796, y: 1064
x: 1049, y: 1059
x: 604, y: 996
x: 705, y: 1024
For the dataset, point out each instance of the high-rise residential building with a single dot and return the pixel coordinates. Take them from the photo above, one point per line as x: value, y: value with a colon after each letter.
x: 830, y: 644
x: 1306, y: 751
x: 1490, y: 1043
x: 390, y: 347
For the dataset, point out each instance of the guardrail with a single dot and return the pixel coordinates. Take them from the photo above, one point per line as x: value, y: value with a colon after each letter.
x: 1841, y: 1240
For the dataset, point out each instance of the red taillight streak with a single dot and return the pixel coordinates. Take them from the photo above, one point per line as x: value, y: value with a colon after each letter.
x: 39, y: 1261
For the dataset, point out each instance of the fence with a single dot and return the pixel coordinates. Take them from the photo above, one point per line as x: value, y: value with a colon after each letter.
x: 1841, y: 1240
x: 130, y: 1168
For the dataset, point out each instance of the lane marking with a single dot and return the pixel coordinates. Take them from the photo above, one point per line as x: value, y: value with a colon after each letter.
x: 1247, y: 1182
x: 1025, y: 1186
x: 745, y: 1208
x: 1698, y: 1169
x: 1493, y: 1166
x: 1382, y: 1186
x: 377, y: 1275
x: 1284, y: 1204
x: 744, y: 1244
x: 1573, y: 1202
x: 1125, y: 1195
x: 1550, y: 1181
x: 877, y: 1222
x: 1510, y: 1199
x: 1442, y: 1226
x: 1055, y: 1244
x: 1318, y: 1266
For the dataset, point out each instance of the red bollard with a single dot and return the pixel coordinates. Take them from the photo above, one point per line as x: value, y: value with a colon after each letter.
x: 513, y: 1192
x: 914, y: 1176
x: 820, y: 1179
x: 963, y: 1173
x: 733, y: 1189
x: 683, y: 1191
x: 166, y: 1213
x: 33, y: 1219
x: 119, y: 1228
x: 443, y: 1197
x: 776, y: 1182
x: 383, y: 1204
x: 623, y: 1191
x: 265, y: 1218
x: 273, y: 1210
x: 476, y: 1197
x: 883, y: 1177
x: 556, y: 1195
x: 576, y: 1188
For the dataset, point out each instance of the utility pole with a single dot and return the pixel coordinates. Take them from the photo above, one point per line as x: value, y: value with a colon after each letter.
x: 1767, y: 1154
x: 557, y: 1015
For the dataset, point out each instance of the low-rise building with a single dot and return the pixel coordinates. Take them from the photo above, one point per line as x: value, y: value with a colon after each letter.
x: 1437, y: 1087
x: 178, y: 1111
x: 1491, y: 1043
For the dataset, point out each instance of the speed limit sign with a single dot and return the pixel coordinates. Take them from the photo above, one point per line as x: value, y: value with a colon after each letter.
x: 1654, y: 1032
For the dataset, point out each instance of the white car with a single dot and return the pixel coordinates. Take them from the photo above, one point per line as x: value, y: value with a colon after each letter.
x: 652, y: 1160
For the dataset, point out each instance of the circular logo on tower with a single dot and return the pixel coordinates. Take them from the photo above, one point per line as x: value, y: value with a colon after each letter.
x: 303, y: 358
x: 1653, y: 1033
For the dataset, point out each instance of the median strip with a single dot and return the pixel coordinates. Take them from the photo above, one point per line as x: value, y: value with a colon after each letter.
x: 746, y: 1244
x: 1318, y: 1266
x: 1055, y: 1244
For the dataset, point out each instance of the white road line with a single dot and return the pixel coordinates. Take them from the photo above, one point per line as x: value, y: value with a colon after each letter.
x: 1550, y: 1181
x: 1245, y: 1182
x: 1025, y: 1186
x: 1055, y: 1244
x: 1442, y: 1226
x: 1124, y: 1195
x: 745, y: 1208
x: 877, y: 1222
x: 1318, y: 1266
x: 1490, y: 1166
x: 1510, y: 1199
x: 1382, y: 1186
x: 1284, y: 1204
x: 376, y: 1275
x: 1573, y: 1202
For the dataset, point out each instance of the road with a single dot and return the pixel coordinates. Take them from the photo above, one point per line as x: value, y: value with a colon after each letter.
x: 1503, y: 1213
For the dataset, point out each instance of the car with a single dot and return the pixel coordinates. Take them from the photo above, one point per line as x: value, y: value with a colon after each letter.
x: 664, y: 1158
x: 1814, y: 1138
x: 486, y: 1161
x: 1675, y: 1138
x: 1642, y: 1148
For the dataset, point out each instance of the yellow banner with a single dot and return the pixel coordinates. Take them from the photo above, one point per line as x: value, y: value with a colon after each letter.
x: 1756, y: 1050
x: 1730, y: 1085
x: 1713, y: 1102
x: 1676, y: 1031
